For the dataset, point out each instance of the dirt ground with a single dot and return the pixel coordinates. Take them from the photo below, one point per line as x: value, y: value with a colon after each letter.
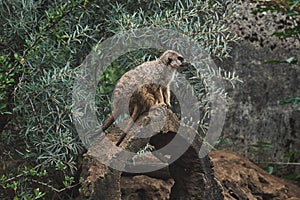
x: 241, y: 179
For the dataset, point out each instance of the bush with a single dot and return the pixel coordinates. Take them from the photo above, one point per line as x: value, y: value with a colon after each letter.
x: 42, y: 44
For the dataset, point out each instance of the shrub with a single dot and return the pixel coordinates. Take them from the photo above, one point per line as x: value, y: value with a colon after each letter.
x: 43, y: 42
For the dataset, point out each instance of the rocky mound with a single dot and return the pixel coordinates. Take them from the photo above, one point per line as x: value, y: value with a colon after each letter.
x: 241, y: 179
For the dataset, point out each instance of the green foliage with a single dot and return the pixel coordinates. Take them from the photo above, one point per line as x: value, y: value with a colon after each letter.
x: 9, y: 71
x: 46, y: 118
x: 42, y: 44
x: 290, y: 158
x: 142, y: 152
x: 262, y: 145
x: 270, y: 169
x: 148, y: 148
x: 204, y: 21
x: 290, y: 100
x: 259, y: 148
x: 291, y: 155
x: 294, y: 177
x: 291, y: 60
x: 30, y: 183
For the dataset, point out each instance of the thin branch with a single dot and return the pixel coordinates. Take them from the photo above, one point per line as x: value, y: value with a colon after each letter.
x: 279, y: 163
x: 53, y: 188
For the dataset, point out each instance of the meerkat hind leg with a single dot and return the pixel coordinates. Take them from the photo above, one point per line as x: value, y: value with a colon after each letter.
x: 133, y: 118
x: 159, y: 95
x: 108, y: 122
x: 159, y: 99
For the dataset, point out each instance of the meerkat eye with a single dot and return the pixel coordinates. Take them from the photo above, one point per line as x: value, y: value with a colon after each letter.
x: 170, y: 60
x: 180, y: 58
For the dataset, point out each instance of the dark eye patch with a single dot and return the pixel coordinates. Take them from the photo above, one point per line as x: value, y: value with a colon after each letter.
x: 169, y: 60
x: 180, y: 58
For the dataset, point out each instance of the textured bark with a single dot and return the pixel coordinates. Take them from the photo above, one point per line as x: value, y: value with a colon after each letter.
x: 189, y: 177
x: 100, y: 182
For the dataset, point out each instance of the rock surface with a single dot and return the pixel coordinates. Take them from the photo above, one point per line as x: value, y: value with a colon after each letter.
x: 145, y: 187
x: 255, y: 118
x: 241, y: 179
x: 181, y: 176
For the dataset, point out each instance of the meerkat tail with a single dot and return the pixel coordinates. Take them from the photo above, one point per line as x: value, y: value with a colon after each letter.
x: 134, y: 116
x: 108, y: 122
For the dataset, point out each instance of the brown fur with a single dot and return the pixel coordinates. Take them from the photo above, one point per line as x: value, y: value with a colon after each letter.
x: 144, y: 87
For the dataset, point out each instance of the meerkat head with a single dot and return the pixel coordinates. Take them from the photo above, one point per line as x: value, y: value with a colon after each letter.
x: 173, y: 59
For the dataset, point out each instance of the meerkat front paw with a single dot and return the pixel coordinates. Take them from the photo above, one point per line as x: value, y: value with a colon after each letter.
x: 162, y: 105
x: 168, y: 105
x: 159, y: 105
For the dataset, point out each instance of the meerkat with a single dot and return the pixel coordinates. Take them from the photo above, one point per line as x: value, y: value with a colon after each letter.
x: 144, y: 87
